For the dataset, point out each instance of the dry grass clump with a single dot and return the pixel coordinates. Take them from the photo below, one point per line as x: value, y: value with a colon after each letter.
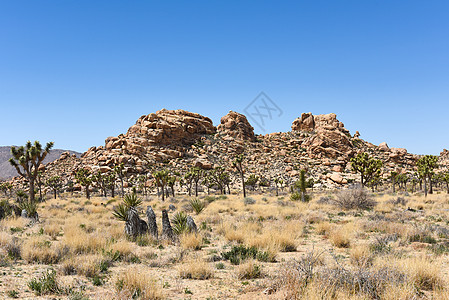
x: 249, y: 270
x: 124, y: 247
x: 309, y: 278
x: 361, y: 256
x: 424, y: 273
x: 195, y: 269
x: 354, y: 198
x: 5, y: 238
x: 323, y: 228
x: 38, y: 249
x: 79, y: 241
x: 191, y: 241
x: 52, y: 230
x: 13, y: 222
x: 10, y: 244
x: 340, y: 237
x: 136, y: 282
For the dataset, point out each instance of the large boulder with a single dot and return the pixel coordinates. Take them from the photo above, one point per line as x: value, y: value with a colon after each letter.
x: 305, y: 123
x: 330, y: 138
x: 236, y: 125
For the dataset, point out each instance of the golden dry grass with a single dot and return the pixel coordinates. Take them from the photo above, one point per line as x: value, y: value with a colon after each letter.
x: 136, y: 281
x: 195, y: 269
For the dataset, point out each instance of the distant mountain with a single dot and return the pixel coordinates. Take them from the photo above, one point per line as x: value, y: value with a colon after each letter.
x: 7, y: 171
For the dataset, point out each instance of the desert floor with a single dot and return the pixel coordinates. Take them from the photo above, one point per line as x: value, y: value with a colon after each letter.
x: 314, y: 250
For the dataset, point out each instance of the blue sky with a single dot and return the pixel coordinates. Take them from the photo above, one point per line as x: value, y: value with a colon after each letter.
x: 76, y: 72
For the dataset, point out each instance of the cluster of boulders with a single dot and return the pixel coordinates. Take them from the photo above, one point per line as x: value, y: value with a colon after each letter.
x: 179, y: 140
x: 237, y: 126
x: 135, y: 226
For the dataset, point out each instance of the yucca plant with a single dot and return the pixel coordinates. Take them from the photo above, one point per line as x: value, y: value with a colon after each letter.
x: 121, y: 212
x: 197, y: 205
x: 179, y: 223
x: 30, y: 207
x: 131, y: 200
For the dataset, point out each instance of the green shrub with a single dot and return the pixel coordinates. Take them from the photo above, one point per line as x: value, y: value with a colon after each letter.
x: 46, y: 284
x: 197, y: 205
x: 241, y: 253
x: 179, y: 223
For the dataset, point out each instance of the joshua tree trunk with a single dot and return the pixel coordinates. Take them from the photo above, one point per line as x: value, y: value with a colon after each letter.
x: 430, y: 185
x: 31, y: 179
x: 425, y: 187
x: 54, y: 193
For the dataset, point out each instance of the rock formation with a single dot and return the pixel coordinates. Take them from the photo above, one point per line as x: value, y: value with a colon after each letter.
x: 167, y: 231
x: 237, y: 126
x: 191, y: 224
x: 152, y: 225
x: 178, y: 140
x: 134, y: 226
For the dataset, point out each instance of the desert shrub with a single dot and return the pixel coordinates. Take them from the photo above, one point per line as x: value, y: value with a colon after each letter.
x: 249, y: 270
x: 249, y: 201
x: 422, y: 235
x: 240, y: 253
x: 325, y: 200
x: 192, y: 241
x: 295, y: 196
x: 30, y: 207
x: 195, y: 269
x: 137, y: 283
x: 197, y: 205
x: 46, y: 284
x: 355, y: 198
x: 38, y: 249
x: 398, y: 201
x: 339, y: 237
x: 179, y: 223
x: 310, y: 278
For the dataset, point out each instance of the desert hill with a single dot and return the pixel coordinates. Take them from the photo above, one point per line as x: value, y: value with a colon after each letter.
x: 178, y: 140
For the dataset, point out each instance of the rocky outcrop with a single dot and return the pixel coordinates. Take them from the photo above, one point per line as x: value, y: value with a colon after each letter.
x: 134, y: 226
x: 329, y: 137
x: 191, y: 224
x: 167, y: 231
x: 237, y: 126
x: 152, y: 225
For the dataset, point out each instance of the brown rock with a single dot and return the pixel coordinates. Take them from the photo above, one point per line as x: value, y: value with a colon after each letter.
x: 305, y: 123
x: 383, y: 147
x: 337, y: 178
x: 236, y: 125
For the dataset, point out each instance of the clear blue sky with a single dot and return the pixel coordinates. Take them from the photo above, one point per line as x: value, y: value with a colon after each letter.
x: 76, y: 72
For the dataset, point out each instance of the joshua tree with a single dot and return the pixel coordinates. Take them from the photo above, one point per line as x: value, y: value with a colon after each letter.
x: 366, y: 166
x: 220, y: 178
x: 6, y: 187
x: 110, y: 182
x: 445, y: 179
x: 252, y: 181
x: 39, y: 184
x: 393, y: 176
x: 83, y: 176
x: 101, y: 182
x: 120, y: 171
x: 161, y: 178
x: 55, y: 184
x: 238, y: 165
x: 171, y: 181
x: 426, y: 165
x: 188, y: 177
x: 27, y: 160
x: 197, y: 175
x: 278, y: 182
x: 301, y: 185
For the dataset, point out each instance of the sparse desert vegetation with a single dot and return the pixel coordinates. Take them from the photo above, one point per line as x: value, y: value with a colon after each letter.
x: 303, y: 250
